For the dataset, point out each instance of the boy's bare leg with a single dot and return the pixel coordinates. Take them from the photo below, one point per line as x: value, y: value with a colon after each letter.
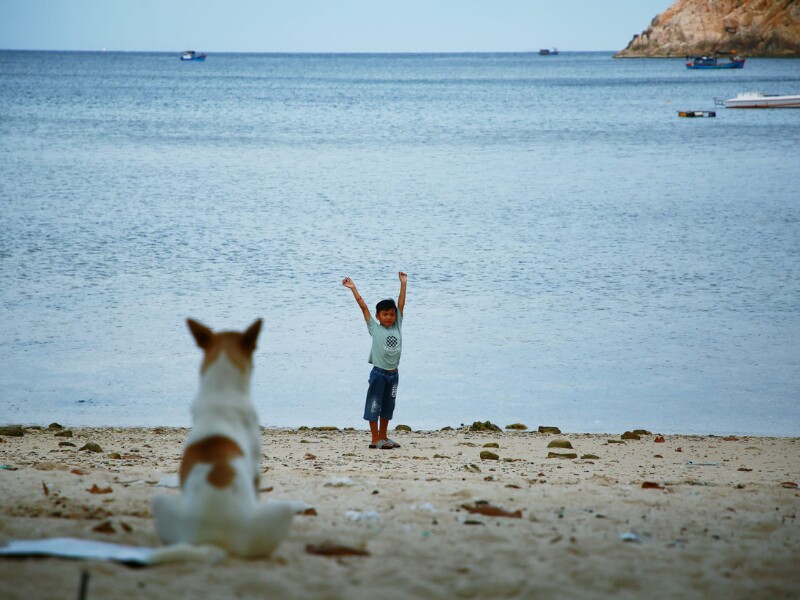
x: 379, y: 430
x: 373, y: 428
x: 383, y: 429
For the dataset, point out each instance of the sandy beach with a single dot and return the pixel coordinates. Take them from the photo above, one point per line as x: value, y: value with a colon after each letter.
x: 659, y: 517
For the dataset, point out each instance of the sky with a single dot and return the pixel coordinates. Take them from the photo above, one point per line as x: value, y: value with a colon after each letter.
x: 324, y: 25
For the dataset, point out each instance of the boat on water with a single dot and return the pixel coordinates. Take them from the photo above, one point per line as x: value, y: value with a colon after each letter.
x: 713, y: 62
x: 192, y: 55
x: 548, y: 52
x: 761, y: 100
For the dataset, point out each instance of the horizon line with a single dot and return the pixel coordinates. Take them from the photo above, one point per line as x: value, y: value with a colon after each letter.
x: 531, y: 51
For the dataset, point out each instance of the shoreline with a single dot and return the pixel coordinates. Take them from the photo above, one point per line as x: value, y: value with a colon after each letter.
x: 699, y: 516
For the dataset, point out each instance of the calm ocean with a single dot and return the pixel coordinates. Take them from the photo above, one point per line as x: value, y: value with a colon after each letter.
x: 578, y: 255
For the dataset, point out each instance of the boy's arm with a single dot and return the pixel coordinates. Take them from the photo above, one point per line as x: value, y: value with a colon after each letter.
x: 348, y: 283
x: 401, y: 300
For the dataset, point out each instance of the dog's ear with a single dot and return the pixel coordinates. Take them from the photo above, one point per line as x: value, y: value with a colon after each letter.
x: 202, y: 334
x: 250, y: 336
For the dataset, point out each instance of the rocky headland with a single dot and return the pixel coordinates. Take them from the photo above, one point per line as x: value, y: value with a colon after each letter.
x: 746, y: 27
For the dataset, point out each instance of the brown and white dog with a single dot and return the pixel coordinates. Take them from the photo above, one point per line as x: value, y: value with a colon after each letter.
x: 219, y: 472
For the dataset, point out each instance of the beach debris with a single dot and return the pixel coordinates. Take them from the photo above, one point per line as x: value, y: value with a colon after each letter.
x: 641, y: 432
x: 339, y: 482
x: 45, y: 489
x: 659, y: 439
x: 8, y: 468
x: 325, y: 428
x: 366, y: 516
x: 55, y: 427
x: 77, y: 471
x: 332, y: 549
x: 169, y: 481
x: 64, y: 433
x: 517, y: 427
x: 744, y: 469
x: 447, y: 428
x: 472, y: 467
x: 491, y: 445
x: 66, y: 445
x: 309, y: 512
x: 482, y: 507
x: 485, y: 426
x: 590, y: 457
x: 730, y: 438
x: 549, y: 429
x: 403, y: 428
x: 310, y: 456
x: 615, y: 441
x: 486, y: 455
x: 651, y: 485
x: 657, y: 456
x: 83, y: 590
x: 96, y: 489
x: 105, y: 527
x: 12, y: 431
x: 562, y: 455
x: 560, y: 444
x: 94, y: 550
x: 629, y: 536
x: 678, y: 449
x: 92, y: 447
x: 691, y: 463
x: 789, y: 484
x: 630, y: 435
x: 115, y: 455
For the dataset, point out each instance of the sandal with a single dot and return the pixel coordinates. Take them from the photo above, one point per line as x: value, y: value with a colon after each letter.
x: 384, y: 445
x: 393, y: 443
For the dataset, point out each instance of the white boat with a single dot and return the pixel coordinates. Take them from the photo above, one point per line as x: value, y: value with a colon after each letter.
x: 192, y: 55
x: 761, y: 100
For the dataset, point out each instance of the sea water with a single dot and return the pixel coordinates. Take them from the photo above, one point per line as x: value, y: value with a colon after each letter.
x: 578, y: 254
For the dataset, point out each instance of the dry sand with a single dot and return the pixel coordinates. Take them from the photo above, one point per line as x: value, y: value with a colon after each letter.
x: 717, y: 518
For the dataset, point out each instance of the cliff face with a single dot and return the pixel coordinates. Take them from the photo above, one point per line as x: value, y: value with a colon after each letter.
x: 748, y: 27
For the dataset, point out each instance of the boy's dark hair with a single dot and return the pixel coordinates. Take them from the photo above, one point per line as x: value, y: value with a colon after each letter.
x: 387, y: 304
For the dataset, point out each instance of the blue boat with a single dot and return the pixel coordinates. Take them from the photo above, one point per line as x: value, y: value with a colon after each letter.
x: 712, y: 62
x: 192, y: 55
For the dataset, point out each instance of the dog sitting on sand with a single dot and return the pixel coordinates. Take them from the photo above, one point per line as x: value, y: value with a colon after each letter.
x: 219, y: 473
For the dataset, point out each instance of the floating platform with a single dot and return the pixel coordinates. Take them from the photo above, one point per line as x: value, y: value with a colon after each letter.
x: 697, y: 113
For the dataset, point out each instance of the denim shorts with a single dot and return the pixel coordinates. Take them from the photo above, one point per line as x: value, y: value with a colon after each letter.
x: 381, y: 394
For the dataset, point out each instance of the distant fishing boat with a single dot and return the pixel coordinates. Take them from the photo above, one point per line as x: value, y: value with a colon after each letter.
x: 761, y: 100
x: 713, y: 62
x: 192, y: 55
x: 548, y: 52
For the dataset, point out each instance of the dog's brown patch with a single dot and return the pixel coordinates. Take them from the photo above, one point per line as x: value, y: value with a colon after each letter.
x: 218, y: 451
x: 237, y: 346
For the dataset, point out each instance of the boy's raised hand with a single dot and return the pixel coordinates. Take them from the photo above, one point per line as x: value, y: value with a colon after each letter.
x: 348, y: 283
x: 403, y: 277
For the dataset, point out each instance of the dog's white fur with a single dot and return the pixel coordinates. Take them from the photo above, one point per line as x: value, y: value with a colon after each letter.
x: 220, y: 468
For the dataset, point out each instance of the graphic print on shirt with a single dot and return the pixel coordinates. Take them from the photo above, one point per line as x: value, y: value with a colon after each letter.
x: 390, y: 345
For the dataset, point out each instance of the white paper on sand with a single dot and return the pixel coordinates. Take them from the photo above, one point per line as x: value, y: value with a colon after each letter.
x: 92, y: 550
x: 75, y: 548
